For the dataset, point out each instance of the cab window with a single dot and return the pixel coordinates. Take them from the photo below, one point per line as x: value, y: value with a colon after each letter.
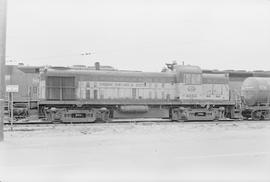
x: 192, y: 79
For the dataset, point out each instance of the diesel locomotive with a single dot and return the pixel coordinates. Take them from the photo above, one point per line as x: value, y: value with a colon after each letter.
x: 185, y: 93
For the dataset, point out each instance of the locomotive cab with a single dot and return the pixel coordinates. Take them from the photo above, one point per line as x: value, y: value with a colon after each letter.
x: 188, y: 82
x: 202, y: 96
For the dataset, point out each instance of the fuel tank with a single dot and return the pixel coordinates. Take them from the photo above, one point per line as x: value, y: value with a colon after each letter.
x: 134, y: 109
x: 256, y: 91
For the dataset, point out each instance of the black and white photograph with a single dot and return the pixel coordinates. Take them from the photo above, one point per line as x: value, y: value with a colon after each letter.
x: 134, y: 90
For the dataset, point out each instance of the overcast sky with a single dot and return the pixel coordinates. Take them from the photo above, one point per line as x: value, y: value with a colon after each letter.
x: 140, y: 34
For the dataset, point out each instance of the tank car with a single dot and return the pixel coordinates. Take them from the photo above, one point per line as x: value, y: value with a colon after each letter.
x: 88, y: 95
x: 255, y: 92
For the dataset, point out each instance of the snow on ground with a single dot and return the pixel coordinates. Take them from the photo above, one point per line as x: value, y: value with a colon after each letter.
x: 208, y: 151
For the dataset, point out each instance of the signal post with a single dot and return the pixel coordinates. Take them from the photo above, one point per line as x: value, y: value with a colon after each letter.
x: 3, y: 9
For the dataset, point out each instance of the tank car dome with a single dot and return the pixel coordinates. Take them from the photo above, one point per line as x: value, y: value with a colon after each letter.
x: 256, y: 91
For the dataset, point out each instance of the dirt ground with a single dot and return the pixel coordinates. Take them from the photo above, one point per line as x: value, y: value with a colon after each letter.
x: 208, y: 151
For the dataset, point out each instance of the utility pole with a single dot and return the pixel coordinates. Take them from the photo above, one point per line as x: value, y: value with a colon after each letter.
x: 3, y: 16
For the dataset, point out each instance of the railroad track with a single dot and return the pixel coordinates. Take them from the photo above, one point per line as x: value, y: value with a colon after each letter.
x: 70, y: 122
x: 139, y: 120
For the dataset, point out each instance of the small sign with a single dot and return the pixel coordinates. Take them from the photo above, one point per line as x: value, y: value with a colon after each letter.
x: 12, y: 88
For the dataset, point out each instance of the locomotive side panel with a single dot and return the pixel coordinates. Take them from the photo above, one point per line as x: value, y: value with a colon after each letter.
x: 190, y: 92
x: 204, y: 92
x: 135, y: 86
x: 215, y: 87
x: 59, y: 88
x: 102, y: 94
x: 124, y: 90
